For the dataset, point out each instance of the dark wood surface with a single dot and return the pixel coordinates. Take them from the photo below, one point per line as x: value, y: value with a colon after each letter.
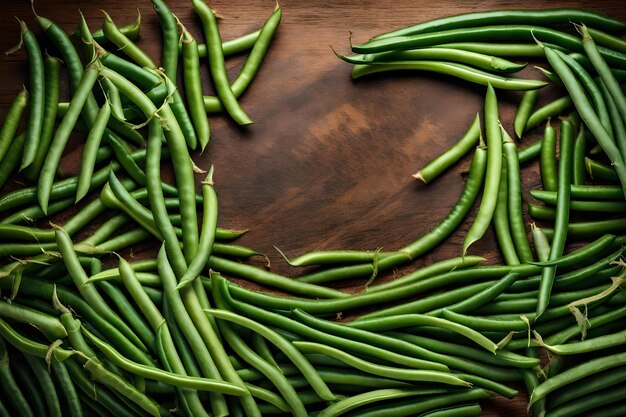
x: 328, y: 163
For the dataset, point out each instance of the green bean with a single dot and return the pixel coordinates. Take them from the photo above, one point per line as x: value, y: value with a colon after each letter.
x: 618, y: 125
x: 486, y: 33
x: 61, y: 189
x: 411, y: 408
x: 499, y: 49
x: 189, y: 329
x: 130, y: 315
x: 488, y: 385
x: 479, y: 60
x: 100, y: 374
x: 141, y: 77
x: 31, y: 347
x: 131, y: 31
x: 501, y: 221
x: 548, y: 159
x: 405, y: 353
x: 252, y: 64
x: 68, y: 392
x: 586, y: 403
x: 193, y: 88
x: 297, y: 358
x: 89, y: 292
x: 530, y: 152
x: 115, y: 36
x: 47, y: 385
x: 12, y: 121
x: 590, y: 251
x: 89, y: 152
x: 486, y: 324
x: 169, y: 26
x: 334, y: 257
x: 207, y: 238
x: 233, y: 46
x: 173, y: 362
x: 470, y: 410
x: 541, y: 243
x: 514, y: 200
x: 101, y: 237
x: 215, y: 55
x: 587, y: 386
x: 578, y: 167
x: 587, y: 114
x: 469, y: 359
x: 592, y: 89
x: 524, y: 111
x: 159, y: 375
x: 10, y: 387
x: 452, y: 221
x: 591, y: 229
x: 607, y: 77
x: 484, y: 296
x: 98, y: 393
x: 493, y: 170
x: 428, y: 271
x: 549, y: 110
x: 596, y: 321
x: 267, y: 369
x: 52, y: 69
x: 576, y: 373
x: 48, y: 325
x: 435, y: 167
x: 539, y: 17
x: 115, y: 195
x: 588, y: 345
x: 408, y: 320
x: 11, y: 160
x: 390, y: 394
x: 562, y: 214
x: 542, y: 213
x: 456, y: 70
x: 271, y: 279
x: 261, y: 346
x: 36, y: 101
x: 390, y: 295
x: 381, y: 370
x: 44, y: 185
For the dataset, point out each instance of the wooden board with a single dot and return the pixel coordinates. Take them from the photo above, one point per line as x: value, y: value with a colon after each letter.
x: 328, y: 163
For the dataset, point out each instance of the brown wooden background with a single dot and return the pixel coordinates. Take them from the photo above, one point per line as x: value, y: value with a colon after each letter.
x: 328, y: 163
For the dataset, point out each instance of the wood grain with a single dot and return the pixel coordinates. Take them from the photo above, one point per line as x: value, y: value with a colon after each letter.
x: 328, y: 163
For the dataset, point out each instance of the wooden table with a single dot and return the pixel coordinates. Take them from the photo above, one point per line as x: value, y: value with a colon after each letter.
x: 327, y: 164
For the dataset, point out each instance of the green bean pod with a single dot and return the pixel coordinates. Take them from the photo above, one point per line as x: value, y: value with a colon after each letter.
x: 90, y: 150
x: 52, y: 69
x: 538, y: 17
x: 548, y: 159
x: 493, y: 171
x: 501, y: 222
x: 12, y: 121
x: 217, y: 67
x: 193, y: 88
x: 252, y: 64
x: 44, y: 185
x: 461, y: 71
x: 524, y: 110
x: 36, y: 100
x: 435, y: 167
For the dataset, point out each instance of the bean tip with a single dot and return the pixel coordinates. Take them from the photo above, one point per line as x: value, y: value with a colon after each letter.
x: 418, y: 176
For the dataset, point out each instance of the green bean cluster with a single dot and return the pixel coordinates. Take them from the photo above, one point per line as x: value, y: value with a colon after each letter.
x: 83, y: 331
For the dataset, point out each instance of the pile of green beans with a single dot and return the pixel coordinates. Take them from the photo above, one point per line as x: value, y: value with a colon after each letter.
x: 173, y: 335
